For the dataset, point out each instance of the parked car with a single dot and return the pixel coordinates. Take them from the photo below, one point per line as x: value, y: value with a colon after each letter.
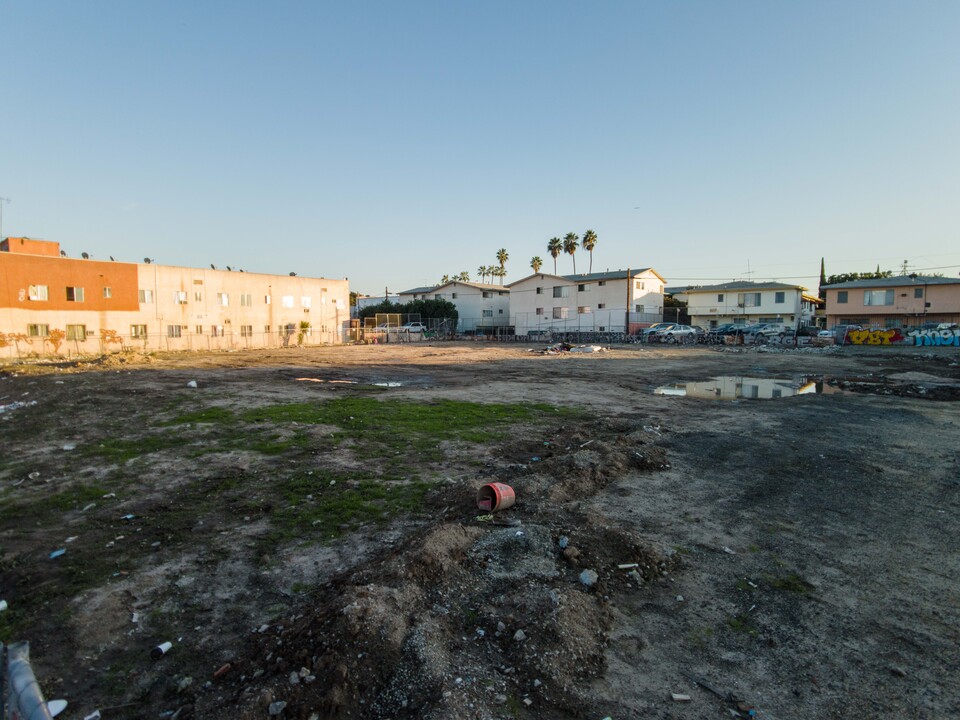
x: 413, y: 327
x: 769, y: 329
x: 648, y: 331
x: 808, y: 331
x: 673, y: 334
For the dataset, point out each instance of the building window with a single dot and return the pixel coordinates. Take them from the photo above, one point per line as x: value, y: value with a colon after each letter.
x: 639, y: 308
x: 639, y: 285
x: 780, y: 297
x: 488, y: 313
x: 138, y: 331
x: 561, y: 291
x: 216, y: 330
x: 39, y: 292
x: 145, y: 296
x: 748, y: 299
x: 77, y: 332
x: 583, y: 287
x: 198, y: 329
x: 246, y: 300
x: 180, y: 298
x: 486, y: 294
x: 198, y: 282
x: 246, y: 331
x: 841, y: 297
x: 539, y: 291
x: 602, y: 283
x: 305, y: 302
x: 452, y: 295
x: 266, y: 299
x: 539, y: 311
x: 438, y: 296
x: 223, y: 299
x: 197, y: 296
x: 174, y: 331
x: 108, y: 293
x: 74, y: 294
x: 266, y: 329
x: 878, y: 297
x: 601, y: 306
x: 287, y: 301
x: 500, y: 311
x: 38, y: 331
x: 584, y: 310
x: 918, y: 292
x: 561, y: 313
x: 719, y: 297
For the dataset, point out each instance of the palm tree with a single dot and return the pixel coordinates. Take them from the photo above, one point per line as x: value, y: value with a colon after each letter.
x: 570, y: 246
x: 464, y: 276
x: 502, y: 258
x: 536, y: 263
x: 499, y: 272
x: 588, y: 244
x: 482, y: 272
x: 555, y: 247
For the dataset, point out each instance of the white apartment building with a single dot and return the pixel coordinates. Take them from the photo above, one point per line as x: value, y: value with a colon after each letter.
x: 481, y: 307
x: 744, y: 302
x: 618, y: 301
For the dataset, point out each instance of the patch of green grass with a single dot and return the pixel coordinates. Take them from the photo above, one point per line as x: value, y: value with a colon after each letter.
x: 700, y: 637
x: 742, y: 624
x: 791, y: 582
x: 205, y: 415
x: 120, y: 450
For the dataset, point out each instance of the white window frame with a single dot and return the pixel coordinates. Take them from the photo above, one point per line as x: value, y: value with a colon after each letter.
x: 39, y: 292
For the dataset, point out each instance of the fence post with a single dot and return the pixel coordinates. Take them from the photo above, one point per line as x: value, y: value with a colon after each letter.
x: 24, y: 698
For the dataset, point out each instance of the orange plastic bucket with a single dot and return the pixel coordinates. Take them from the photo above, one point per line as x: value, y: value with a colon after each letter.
x: 495, y: 496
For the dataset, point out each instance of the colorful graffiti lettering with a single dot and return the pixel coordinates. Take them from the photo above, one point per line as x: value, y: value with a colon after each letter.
x: 875, y: 337
x: 936, y: 337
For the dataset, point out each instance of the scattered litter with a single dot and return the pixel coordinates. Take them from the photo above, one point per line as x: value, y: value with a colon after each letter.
x: 589, y: 578
x: 16, y: 406
x: 519, y: 636
x: 898, y: 671
x: 679, y: 598
x: 57, y: 553
x: 72, y: 538
x: 89, y: 506
x: 34, y: 475
x: 563, y: 542
x: 69, y: 446
x: 192, y: 384
x: 109, y: 495
x: 135, y: 617
x: 3, y: 605
x: 627, y: 566
x: 495, y: 496
x: 752, y: 607
x: 277, y: 707
x: 535, y: 458
x: 677, y: 697
x: 160, y: 650
x: 484, y: 518
x: 222, y: 670
x: 128, y: 517
x: 586, y: 443
x: 728, y: 551
x: 95, y: 715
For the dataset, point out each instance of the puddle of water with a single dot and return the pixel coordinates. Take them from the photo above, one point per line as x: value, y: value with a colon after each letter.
x: 737, y: 387
x: 390, y: 384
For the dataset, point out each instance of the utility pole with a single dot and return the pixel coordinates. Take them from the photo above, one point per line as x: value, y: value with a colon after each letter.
x: 2, y: 201
x: 904, y: 267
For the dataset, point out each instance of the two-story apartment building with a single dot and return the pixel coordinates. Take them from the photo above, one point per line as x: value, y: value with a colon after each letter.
x: 618, y: 301
x: 54, y: 304
x: 481, y: 307
x: 745, y: 302
x: 904, y: 301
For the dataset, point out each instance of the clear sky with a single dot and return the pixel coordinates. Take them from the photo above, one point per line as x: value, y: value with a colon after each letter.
x: 393, y: 142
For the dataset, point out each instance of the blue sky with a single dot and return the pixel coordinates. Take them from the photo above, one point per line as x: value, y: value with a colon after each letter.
x: 394, y: 142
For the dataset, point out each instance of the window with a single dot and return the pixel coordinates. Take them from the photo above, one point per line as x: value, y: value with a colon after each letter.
x: 488, y: 313
x: 539, y: 311
x: 145, y: 296
x: 287, y: 301
x: 602, y: 283
x: 138, y: 331
x: 584, y: 310
x: 501, y: 293
x: 305, y: 302
x: 500, y: 311
x: 486, y: 294
x: 539, y: 291
x: 180, y: 298
x: 266, y: 329
x: 841, y: 297
x: 719, y: 297
x: 779, y: 297
x: 639, y: 308
x: 216, y: 330
x: 38, y: 330
x: 918, y: 292
x: 266, y: 299
x: 173, y: 331
x: 246, y: 331
x: 748, y: 299
x: 198, y: 329
x: 224, y: 299
x: 108, y: 293
x: 561, y: 313
x: 39, y: 292
x: 246, y: 300
x: 438, y: 296
x: 601, y: 306
x: 878, y: 297
x: 639, y: 285
x: 584, y: 287
x: 452, y: 295
x: 74, y: 294
x: 198, y: 282
x: 77, y: 332
x: 561, y: 291
x: 197, y: 296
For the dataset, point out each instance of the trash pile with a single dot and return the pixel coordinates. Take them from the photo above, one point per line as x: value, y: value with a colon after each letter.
x: 562, y: 347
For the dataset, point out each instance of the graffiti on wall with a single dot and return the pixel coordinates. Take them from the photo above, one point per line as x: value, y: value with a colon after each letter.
x: 936, y: 337
x: 875, y: 337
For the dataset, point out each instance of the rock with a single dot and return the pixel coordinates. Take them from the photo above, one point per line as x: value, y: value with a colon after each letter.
x: 500, y: 699
x: 571, y: 554
x: 294, y: 678
x: 528, y: 702
x: 277, y: 707
x: 679, y: 598
x: 519, y: 636
x: 563, y: 542
x: 501, y: 627
x: 192, y: 384
x: 589, y: 578
x: 677, y: 697
x: 898, y: 671
x: 184, y: 683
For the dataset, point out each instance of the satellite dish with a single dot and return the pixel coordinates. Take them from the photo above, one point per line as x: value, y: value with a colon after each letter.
x: 212, y: 266
x: 111, y: 257
x: 63, y: 253
x: 293, y: 274
x: 147, y: 260
x: 85, y: 256
x: 229, y: 269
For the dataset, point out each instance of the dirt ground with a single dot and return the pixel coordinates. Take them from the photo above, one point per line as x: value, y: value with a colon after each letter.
x: 301, y: 526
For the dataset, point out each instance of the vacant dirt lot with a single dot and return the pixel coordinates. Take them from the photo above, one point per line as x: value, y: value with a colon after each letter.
x: 301, y: 527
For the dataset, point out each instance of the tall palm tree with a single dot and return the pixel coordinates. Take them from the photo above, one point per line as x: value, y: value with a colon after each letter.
x: 570, y: 246
x: 445, y: 279
x: 588, y: 244
x: 500, y: 273
x: 464, y: 276
x: 555, y: 247
x: 482, y: 272
x: 536, y: 263
x: 502, y: 257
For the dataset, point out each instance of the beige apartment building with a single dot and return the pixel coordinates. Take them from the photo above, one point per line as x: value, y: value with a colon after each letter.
x: 52, y: 304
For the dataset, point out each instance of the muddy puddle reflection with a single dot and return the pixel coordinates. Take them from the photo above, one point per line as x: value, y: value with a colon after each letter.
x: 738, y: 387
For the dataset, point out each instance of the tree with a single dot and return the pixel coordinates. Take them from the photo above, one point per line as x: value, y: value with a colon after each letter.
x: 464, y: 276
x: 536, y: 263
x: 555, y: 247
x: 445, y: 279
x: 570, y: 246
x: 823, y: 280
x: 850, y: 277
x: 498, y: 272
x: 482, y: 272
x: 588, y: 244
x: 502, y: 257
